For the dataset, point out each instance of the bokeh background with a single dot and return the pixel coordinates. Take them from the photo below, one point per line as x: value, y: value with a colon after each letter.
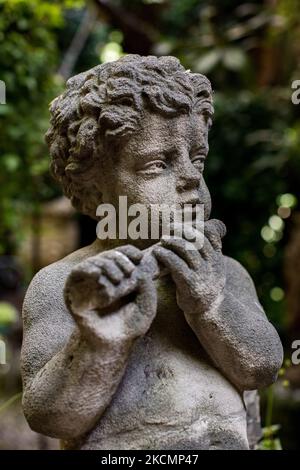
x: 251, y: 53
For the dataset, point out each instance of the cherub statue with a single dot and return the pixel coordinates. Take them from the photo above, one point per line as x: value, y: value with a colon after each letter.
x: 114, y: 355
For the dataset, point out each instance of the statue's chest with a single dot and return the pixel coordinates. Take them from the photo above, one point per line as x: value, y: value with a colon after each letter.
x: 166, y: 297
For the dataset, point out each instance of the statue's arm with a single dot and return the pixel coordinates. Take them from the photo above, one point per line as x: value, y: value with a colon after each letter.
x: 220, y: 304
x: 237, y: 335
x: 67, y: 396
x: 69, y: 373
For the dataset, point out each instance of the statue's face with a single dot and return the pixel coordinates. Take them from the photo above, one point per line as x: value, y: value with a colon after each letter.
x: 161, y: 163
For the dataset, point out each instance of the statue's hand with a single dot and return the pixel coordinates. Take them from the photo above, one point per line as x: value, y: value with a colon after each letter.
x: 199, y: 275
x: 110, y: 296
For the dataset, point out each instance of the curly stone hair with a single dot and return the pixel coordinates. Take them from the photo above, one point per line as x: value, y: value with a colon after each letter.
x: 106, y: 104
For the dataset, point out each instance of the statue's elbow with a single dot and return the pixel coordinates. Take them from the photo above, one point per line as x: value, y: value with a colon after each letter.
x: 261, y: 372
x: 268, y: 366
x: 56, y: 423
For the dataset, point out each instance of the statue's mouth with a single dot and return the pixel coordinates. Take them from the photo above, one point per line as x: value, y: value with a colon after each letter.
x: 192, y: 206
x: 193, y: 202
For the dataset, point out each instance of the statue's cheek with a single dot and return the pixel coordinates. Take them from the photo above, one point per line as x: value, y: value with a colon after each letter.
x: 205, y: 198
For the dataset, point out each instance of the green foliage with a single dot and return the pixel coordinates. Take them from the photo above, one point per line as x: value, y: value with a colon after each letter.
x: 252, y: 153
x: 269, y: 440
x: 28, y: 59
x: 8, y: 314
x: 10, y: 401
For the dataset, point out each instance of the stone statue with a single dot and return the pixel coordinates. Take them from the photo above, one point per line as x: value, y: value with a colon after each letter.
x: 115, y: 355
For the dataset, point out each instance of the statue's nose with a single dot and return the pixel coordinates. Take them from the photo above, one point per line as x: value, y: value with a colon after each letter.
x: 188, y: 176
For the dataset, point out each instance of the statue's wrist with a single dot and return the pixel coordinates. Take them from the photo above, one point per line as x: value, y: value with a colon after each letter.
x: 204, y: 305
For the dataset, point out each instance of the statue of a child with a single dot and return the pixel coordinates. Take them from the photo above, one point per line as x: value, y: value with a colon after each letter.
x: 112, y: 358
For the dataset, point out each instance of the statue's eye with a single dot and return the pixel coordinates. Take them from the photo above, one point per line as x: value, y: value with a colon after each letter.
x: 198, y: 162
x: 153, y: 168
x: 158, y: 164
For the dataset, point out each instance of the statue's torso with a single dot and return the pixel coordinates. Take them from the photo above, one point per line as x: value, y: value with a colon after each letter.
x: 171, y: 396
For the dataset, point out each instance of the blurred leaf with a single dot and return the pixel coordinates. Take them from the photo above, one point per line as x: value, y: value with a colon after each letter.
x: 8, y: 314
x: 208, y: 61
x: 10, y: 162
x: 9, y: 402
x: 234, y: 58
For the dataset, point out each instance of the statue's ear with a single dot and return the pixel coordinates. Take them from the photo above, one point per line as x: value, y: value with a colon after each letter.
x: 205, y: 198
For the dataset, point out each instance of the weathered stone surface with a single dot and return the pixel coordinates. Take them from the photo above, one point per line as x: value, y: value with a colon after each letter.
x: 15, y: 433
x: 126, y: 346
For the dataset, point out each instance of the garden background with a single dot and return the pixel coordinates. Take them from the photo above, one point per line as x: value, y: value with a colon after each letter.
x: 251, y: 53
